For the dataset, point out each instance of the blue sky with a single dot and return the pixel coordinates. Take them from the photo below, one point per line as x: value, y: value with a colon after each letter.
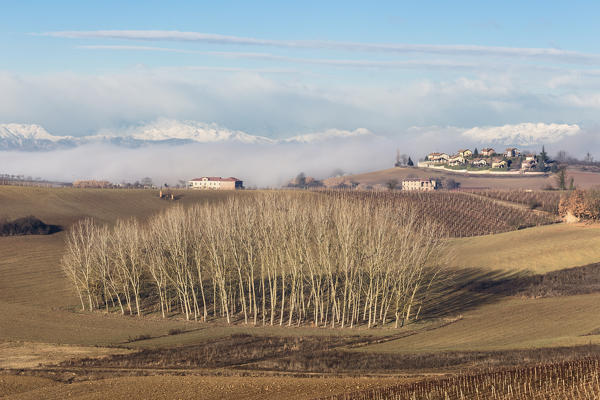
x: 415, y: 72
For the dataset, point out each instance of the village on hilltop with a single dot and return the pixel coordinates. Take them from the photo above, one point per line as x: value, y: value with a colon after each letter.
x: 488, y: 160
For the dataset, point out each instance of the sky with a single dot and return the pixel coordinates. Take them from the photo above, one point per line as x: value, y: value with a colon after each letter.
x: 421, y: 75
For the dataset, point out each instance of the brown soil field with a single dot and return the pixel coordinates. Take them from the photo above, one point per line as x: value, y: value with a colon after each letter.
x: 31, y: 355
x: 40, y: 321
x: 583, y: 179
x: 189, y: 387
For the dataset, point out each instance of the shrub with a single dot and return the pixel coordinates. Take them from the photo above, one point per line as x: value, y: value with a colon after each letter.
x: 26, y: 226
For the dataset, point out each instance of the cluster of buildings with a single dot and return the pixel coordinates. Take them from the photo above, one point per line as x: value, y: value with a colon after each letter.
x: 215, y: 183
x: 487, y: 158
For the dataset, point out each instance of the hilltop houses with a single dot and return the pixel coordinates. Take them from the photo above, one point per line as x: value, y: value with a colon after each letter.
x: 511, y: 152
x: 499, y: 164
x: 456, y: 160
x: 479, y: 162
x: 215, y: 183
x: 488, y: 160
x: 441, y: 158
x: 466, y: 153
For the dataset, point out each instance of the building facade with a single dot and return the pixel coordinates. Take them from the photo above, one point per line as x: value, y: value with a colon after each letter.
x: 419, y: 184
x: 215, y: 183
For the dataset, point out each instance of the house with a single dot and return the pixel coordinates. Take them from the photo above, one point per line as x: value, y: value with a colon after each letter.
x: 511, y: 152
x: 528, y: 165
x: 488, y: 152
x: 530, y: 157
x: 466, y: 153
x: 215, y: 183
x: 419, y: 184
x: 499, y: 164
x: 456, y: 160
x: 438, y: 157
x: 479, y: 162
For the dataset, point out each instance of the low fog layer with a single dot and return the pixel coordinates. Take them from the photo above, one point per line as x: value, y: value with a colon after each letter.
x: 258, y: 165
x: 272, y: 164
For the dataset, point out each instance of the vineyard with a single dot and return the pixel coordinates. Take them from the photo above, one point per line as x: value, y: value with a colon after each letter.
x: 463, y: 214
x: 571, y: 380
x: 536, y: 200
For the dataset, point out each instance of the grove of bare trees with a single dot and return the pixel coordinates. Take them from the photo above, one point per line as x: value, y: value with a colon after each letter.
x: 275, y: 258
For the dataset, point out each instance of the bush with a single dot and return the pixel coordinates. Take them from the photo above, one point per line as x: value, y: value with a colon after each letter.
x: 581, y: 204
x: 26, y: 226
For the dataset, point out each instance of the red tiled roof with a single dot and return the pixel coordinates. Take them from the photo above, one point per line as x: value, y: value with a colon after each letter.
x: 216, y: 179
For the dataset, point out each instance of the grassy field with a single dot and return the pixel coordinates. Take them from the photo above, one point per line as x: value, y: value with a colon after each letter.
x: 510, y: 323
x: 539, y: 249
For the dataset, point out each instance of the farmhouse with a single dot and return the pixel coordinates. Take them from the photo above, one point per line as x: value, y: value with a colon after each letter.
x: 465, y: 153
x: 419, y: 184
x: 530, y: 157
x: 216, y: 183
x: 488, y: 152
x: 511, y: 152
x: 438, y: 157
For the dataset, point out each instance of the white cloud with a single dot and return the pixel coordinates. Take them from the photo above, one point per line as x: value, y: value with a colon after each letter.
x: 522, y: 134
x: 470, y: 50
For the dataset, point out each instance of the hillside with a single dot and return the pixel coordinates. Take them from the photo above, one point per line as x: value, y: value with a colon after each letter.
x: 583, y: 179
x: 39, y: 311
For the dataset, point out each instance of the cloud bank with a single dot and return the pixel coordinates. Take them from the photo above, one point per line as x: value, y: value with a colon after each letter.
x: 262, y: 165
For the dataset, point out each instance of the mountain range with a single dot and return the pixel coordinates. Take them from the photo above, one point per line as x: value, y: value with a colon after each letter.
x: 31, y: 137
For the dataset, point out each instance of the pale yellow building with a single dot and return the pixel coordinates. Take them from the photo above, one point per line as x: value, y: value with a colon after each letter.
x: 419, y: 184
x: 215, y: 183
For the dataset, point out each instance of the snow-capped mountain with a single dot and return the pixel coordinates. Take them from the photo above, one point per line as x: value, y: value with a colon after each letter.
x: 162, y: 131
x: 168, y: 130
x: 31, y: 137
x: 522, y: 134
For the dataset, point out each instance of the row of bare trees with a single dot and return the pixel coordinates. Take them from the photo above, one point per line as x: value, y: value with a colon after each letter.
x: 270, y: 258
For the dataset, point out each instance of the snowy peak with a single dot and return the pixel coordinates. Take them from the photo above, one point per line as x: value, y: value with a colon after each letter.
x: 523, y: 134
x: 161, y: 131
x: 31, y: 137
x: 27, y: 132
x: 165, y: 130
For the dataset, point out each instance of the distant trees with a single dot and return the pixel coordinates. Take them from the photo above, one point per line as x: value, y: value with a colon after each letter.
x: 302, y: 181
x: 475, y: 152
x: 391, y: 184
x: 410, y: 162
x: 561, y: 178
x: 285, y: 259
x: 450, y: 184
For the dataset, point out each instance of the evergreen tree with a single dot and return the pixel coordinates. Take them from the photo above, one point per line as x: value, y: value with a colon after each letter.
x: 543, y: 155
x: 476, y: 152
x: 410, y: 162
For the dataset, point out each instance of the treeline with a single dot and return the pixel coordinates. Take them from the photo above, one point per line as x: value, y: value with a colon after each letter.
x: 271, y: 258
